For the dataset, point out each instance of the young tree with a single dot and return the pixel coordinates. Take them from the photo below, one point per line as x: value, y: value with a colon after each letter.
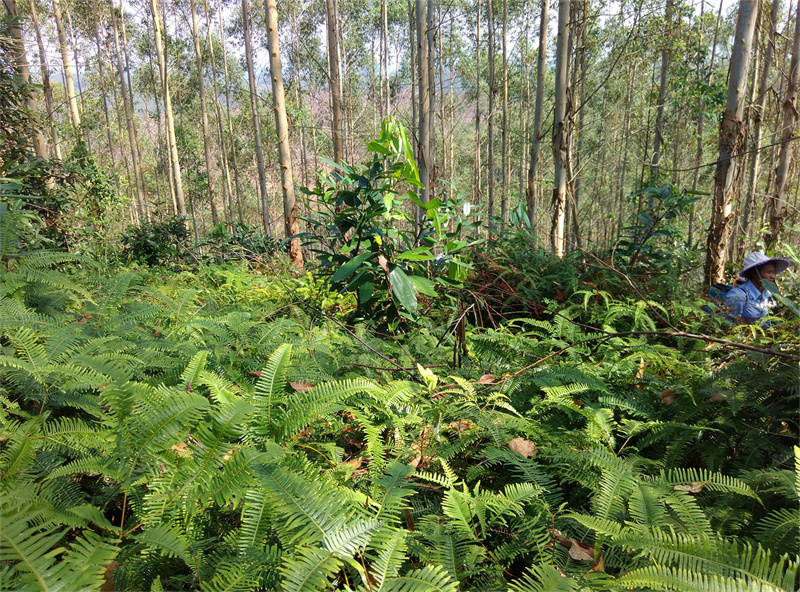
x: 129, y: 119
x: 334, y: 66
x: 731, y: 145
x: 204, y: 115
x: 47, y: 89
x: 758, y: 115
x: 536, y: 134
x: 560, y: 131
x: 251, y: 77
x: 282, y: 131
x: 74, y: 115
x: 169, y: 117
x: 424, y: 160
x: 658, y: 136
x: 778, y: 198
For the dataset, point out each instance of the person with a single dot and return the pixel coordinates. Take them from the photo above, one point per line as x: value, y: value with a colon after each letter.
x: 748, y: 302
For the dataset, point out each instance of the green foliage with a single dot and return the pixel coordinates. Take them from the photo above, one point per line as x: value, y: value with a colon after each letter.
x: 157, y: 243
x: 201, y: 431
x: 655, y: 235
x: 364, y: 237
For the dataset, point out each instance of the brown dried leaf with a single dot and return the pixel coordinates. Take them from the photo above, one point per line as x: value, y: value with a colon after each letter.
x: 717, y: 398
x: 577, y: 550
x: 302, y: 387
x: 598, y: 565
x: 108, y: 577
x: 486, y: 379
x: 180, y: 448
x: 691, y: 487
x: 354, y: 462
x: 383, y: 263
x: 524, y: 447
x: 419, y: 447
x: 461, y: 425
x: 668, y: 397
x: 256, y: 373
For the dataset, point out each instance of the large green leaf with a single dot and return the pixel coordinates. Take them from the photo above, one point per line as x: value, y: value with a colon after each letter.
x: 348, y: 268
x: 403, y: 289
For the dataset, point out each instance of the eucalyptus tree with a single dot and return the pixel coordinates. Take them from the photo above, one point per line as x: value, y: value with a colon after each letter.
x: 561, y: 185
x: 256, y: 119
x: 282, y: 131
x: 731, y: 139
x: 758, y: 114
x: 204, y: 115
x: 47, y: 88
x: 172, y: 144
x: 130, y: 120
x: 536, y: 134
x: 424, y: 153
x: 69, y: 84
x: 788, y: 127
x: 21, y: 71
x: 335, y: 76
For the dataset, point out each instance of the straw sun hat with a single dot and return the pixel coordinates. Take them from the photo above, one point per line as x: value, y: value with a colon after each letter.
x: 757, y: 259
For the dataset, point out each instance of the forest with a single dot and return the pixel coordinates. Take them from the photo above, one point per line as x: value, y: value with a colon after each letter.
x: 391, y: 296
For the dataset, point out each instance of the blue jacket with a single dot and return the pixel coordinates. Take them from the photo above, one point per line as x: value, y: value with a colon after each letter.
x: 747, y: 302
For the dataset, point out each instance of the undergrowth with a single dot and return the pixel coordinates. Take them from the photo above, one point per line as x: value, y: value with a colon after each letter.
x: 224, y: 429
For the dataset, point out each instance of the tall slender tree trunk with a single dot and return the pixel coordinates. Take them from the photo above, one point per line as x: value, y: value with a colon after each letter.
x: 758, y: 116
x: 731, y: 137
x: 536, y: 133
x: 790, y: 117
x: 580, y: 50
x: 477, y: 194
x: 251, y: 76
x: 168, y: 115
x: 129, y: 121
x: 282, y: 131
x: 431, y: 29
x: 412, y: 44
x: 72, y: 100
x: 204, y: 115
x: 22, y: 72
x: 385, y: 39
x: 131, y: 99
x: 87, y: 138
x: 490, y: 176
x: 47, y: 89
x: 103, y: 94
x: 560, y: 131
x: 424, y: 156
x: 626, y: 132
x: 658, y: 136
x: 504, y: 132
x: 701, y: 121
x: 226, y: 186
x: 233, y: 153
x: 334, y: 64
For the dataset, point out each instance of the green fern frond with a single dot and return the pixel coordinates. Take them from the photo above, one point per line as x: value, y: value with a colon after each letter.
x: 396, y: 487
x: 270, y: 391
x: 168, y: 539
x: 302, y: 409
x: 667, y: 578
x: 428, y: 579
x: 710, y: 481
x: 191, y: 376
x: 544, y: 578
x: 310, y: 570
x: 387, y: 552
x: 780, y: 530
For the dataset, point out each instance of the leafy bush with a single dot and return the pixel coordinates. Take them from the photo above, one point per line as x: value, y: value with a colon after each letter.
x: 369, y: 246
x: 157, y: 243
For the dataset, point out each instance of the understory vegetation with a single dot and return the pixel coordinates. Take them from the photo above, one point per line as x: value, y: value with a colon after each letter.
x: 214, y: 420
